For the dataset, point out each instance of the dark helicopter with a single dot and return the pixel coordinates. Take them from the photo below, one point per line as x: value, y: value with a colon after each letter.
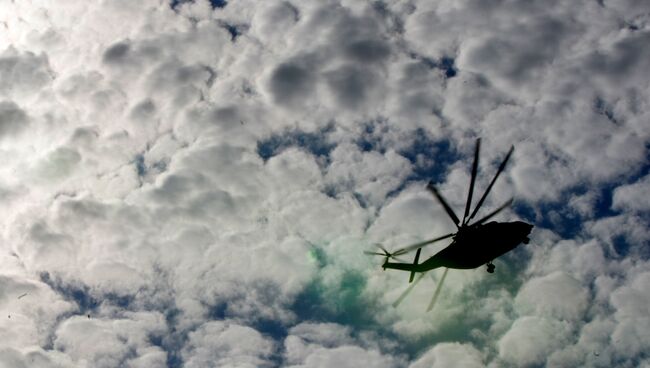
x: 474, y: 244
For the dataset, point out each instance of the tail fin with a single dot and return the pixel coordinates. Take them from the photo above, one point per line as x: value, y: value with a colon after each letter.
x: 415, y: 263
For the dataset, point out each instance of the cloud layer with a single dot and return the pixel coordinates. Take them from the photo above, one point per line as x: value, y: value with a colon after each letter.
x: 193, y: 183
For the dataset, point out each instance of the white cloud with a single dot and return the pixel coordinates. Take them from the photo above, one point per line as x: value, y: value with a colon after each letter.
x: 531, y: 339
x: 450, y: 355
x: 631, y: 302
x: 327, y: 345
x: 627, y: 226
x: 633, y: 196
x: 22, y: 74
x: 557, y: 295
x: 37, y: 358
x: 227, y: 344
x: 346, y: 356
x: 306, y: 339
x: 30, y: 310
x: 109, y: 343
x: 370, y: 174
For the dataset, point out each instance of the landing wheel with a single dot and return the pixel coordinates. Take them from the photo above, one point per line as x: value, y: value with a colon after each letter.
x: 490, y: 268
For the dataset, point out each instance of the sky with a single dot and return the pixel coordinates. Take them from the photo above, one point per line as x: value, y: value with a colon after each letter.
x: 193, y: 183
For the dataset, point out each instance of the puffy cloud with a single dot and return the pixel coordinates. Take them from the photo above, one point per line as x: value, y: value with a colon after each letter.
x: 12, y: 119
x: 450, y: 354
x: 110, y: 343
x: 633, y: 196
x: 307, y: 338
x: 22, y: 74
x: 624, y: 233
x: 557, y: 295
x: 583, y: 262
x: 291, y: 83
x: 530, y: 340
x: 14, y: 358
x: 631, y: 302
x: 327, y: 345
x: 346, y: 356
x: 226, y: 344
x: 370, y: 174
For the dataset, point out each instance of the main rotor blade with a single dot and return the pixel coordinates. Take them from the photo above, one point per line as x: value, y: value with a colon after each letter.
x: 493, y: 213
x: 373, y: 253
x: 421, y: 244
x: 408, y: 290
x: 381, y: 247
x: 444, y: 204
x: 501, y: 167
x: 471, y: 183
x: 437, y: 292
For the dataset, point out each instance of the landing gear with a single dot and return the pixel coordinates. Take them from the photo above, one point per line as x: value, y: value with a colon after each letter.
x: 490, y: 267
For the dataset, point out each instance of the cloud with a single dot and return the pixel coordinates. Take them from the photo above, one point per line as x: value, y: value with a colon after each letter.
x: 226, y: 344
x: 196, y: 174
x: 632, y: 196
x: 291, y: 83
x: 557, y: 295
x: 346, y: 356
x: 22, y: 73
x: 12, y: 119
x: 531, y: 339
x: 327, y: 345
x: 109, y: 343
x: 14, y: 358
x: 30, y: 310
x: 450, y: 354
x: 630, y: 337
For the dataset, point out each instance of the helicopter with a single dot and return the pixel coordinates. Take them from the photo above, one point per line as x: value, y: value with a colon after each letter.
x: 474, y: 244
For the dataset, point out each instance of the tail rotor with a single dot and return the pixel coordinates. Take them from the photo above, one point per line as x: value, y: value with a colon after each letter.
x: 385, y: 253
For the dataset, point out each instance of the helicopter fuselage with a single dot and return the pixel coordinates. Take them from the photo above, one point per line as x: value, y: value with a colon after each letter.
x: 473, y: 246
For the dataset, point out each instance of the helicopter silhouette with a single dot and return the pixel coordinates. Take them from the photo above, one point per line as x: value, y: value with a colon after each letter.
x: 474, y: 244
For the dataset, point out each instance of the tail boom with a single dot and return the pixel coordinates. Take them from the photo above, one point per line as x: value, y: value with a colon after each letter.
x: 410, y: 267
x: 402, y: 266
